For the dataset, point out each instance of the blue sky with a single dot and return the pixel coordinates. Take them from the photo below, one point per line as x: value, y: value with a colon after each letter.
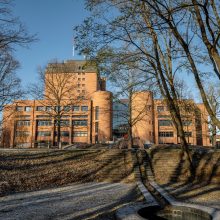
x: 53, y: 22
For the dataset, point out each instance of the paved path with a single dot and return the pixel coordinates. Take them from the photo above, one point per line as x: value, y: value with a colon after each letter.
x: 78, y: 201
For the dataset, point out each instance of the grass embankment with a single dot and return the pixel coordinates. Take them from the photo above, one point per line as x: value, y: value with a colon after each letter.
x: 32, y: 170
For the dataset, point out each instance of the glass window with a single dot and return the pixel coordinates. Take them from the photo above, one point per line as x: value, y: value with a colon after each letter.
x: 79, y: 79
x: 66, y: 108
x: 83, y: 85
x: 166, y: 134
x: 160, y: 108
x: 19, y: 108
x: 84, y: 108
x: 40, y: 108
x: 96, y: 127
x: 27, y: 108
x: 44, y: 133
x: 80, y: 116
x: 23, y: 123
x: 165, y: 123
x: 65, y: 133
x: 80, y: 122
x: 188, y: 134
x: 83, y: 79
x: 75, y: 108
x: 97, y: 113
x: 48, y: 108
x: 63, y: 123
x: 44, y: 123
x: 80, y: 134
x: 22, y: 133
x: 57, y: 108
x: 187, y: 122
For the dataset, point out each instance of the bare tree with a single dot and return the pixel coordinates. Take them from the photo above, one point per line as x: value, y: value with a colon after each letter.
x: 57, y: 91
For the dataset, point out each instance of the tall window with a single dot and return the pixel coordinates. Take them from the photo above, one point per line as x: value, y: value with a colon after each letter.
x: 97, y: 113
x: 66, y: 108
x: 96, y: 127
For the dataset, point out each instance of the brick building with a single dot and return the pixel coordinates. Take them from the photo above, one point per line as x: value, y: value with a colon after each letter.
x: 75, y: 98
x: 76, y: 95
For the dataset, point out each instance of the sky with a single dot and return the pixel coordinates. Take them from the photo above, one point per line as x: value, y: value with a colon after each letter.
x: 52, y: 21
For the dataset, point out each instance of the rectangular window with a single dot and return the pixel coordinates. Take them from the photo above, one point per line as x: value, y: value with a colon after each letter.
x: 84, y: 108
x: 23, y: 123
x: 63, y: 123
x: 43, y: 116
x: 75, y: 108
x: 80, y: 122
x: 57, y: 108
x: 80, y: 116
x: 44, y: 123
x: 63, y: 133
x: 83, y: 79
x: 66, y: 108
x: 165, y: 123
x: 22, y: 133
x: 160, y: 108
x: 19, y: 108
x: 27, y: 108
x: 166, y: 134
x: 44, y: 133
x: 97, y: 113
x: 83, y: 85
x: 187, y: 122
x: 48, y: 108
x: 80, y: 134
x: 79, y: 79
x: 96, y: 127
x: 40, y: 108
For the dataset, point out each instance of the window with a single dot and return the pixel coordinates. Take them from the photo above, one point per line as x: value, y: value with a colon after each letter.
x: 48, y: 108
x: 27, y: 108
x: 78, y: 91
x: 97, y: 113
x: 83, y: 85
x: 79, y: 79
x: 66, y: 108
x: 75, y: 108
x: 63, y: 123
x: 78, y: 85
x: 187, y: 122
x: 80, y: 122
x: 79, y: 73
x: 165, y: 123
x: 19, y: 108
x: 43, y: 116
x: 25, y: 144
x: 160, y: 108
x: 22, y: 133
x: 44, y: 133
x: 23, y: 123
x: 80, y: 116
x: 83, y: 73
x: 57, y: 108
x: 166, y: 134
x: 40, y: 108
x: 80, y: 134
x: 83, y: 91
x: 65, y: 133
x: 84, y: 108
x: 96, y: 127
x: 23, y: 116
x: 44, y: 123
x: 83, y: 79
